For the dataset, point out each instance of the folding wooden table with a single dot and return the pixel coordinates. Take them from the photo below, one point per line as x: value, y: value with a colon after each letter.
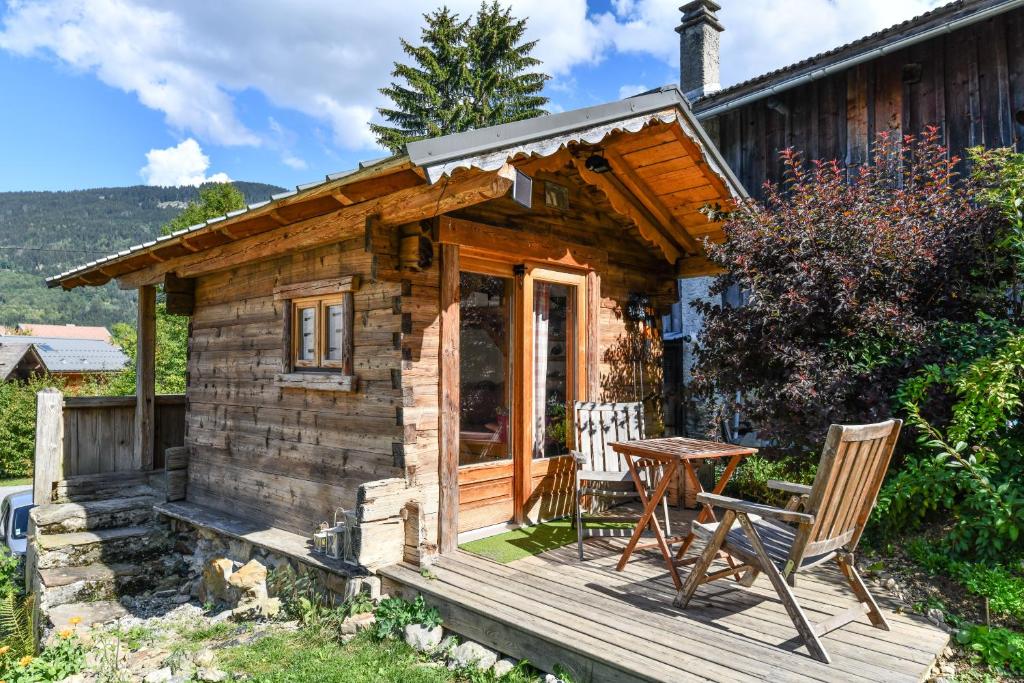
x: 669, y: 453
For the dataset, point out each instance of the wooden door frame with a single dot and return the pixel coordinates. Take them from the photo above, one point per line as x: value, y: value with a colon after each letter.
x: 525, y: 464
x: 464, y: 245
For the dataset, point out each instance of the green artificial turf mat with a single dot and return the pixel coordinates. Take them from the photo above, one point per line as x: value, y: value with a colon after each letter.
x: 531, y: 540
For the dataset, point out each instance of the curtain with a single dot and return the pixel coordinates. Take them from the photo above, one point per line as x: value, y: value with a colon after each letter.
x: 541, y: 321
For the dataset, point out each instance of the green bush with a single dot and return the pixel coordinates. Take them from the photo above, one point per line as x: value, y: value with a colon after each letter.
x: 58, y: 661
x: 18, y: 424
x: 1002, y: 585
x: 997, y: 647
x: 750, y: 480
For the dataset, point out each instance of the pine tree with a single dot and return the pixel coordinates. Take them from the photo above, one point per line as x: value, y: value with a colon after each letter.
x: 465, y: 74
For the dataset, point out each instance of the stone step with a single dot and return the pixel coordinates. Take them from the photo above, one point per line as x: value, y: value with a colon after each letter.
x: 96, y: 514
x: 80, y: 548
x: 88, y: 487
x: 97, y: 581
x: 85, y: 614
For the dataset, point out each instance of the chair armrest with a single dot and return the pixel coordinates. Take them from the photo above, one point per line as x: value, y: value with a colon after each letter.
x: 580, y: 459
x: 754, y: 508
x: 789, y: 487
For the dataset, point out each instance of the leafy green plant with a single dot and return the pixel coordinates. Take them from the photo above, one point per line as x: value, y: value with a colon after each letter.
x: 16, y: 625
x: 63, y: 658
x: 1002, y: 585
x: 394, y: 614
x: 18, y: 424
x: 750, y: 481
x: 997, y: 647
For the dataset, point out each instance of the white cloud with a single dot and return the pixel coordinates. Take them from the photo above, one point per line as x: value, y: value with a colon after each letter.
x: 326, y: 59
x: 183, y: 164
x: 760, y: 35
x: 630, y: 90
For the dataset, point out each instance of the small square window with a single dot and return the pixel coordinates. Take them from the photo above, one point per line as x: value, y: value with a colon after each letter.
x: 320, y: 336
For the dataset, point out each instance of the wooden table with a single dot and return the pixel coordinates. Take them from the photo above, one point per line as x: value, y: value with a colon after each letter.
x: 670, y: 453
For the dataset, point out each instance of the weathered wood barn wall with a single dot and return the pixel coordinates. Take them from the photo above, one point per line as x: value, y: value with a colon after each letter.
x: 969, y: 82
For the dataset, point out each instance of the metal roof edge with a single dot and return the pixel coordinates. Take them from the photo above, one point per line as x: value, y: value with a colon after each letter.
x: 435, y: 151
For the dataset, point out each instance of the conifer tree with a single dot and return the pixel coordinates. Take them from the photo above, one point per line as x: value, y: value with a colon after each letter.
x: 465, y: 74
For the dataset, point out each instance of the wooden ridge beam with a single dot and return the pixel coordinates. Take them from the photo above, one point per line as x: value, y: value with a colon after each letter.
x: 405, y: 206
x: 622, y: 201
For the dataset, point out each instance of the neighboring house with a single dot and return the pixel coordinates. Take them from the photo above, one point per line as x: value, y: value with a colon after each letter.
x: 19, y: 362
x: 69, y: 331
x: 959, y: 67
x: 406, y: 339
x: 70, y: 359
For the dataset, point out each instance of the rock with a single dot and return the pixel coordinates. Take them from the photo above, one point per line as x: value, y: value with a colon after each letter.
x: 357, y: 622
x: 215, y: 586
x: 221, y: 617
x: 250, y: 581
x: 947, y: 652
x: 204, y: 657
x: 422, y: 638
x: 252, y: 609
x: 159, y: 676
x: 890, y: 584
x: 947, y: 669
x: 473, y: 654
x: 936, y: 616
x: 211, y: 675
x: 503, y: 666
x: 449, y: 643
x: 551, y: 678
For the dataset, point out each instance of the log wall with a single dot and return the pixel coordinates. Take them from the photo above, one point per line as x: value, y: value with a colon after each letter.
x: 969, y: 83
x: 288, y: 456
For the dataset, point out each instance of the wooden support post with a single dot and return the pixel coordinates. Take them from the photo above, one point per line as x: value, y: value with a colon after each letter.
x: 145, y: 379
x: 49, y: 459
x: 448, y: 512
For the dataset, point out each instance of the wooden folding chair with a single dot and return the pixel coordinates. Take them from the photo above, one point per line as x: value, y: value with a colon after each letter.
x: 602, y: 476
x: 835, y: 509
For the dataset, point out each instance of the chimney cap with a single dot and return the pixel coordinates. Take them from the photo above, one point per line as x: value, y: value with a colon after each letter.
x: 700, y: 12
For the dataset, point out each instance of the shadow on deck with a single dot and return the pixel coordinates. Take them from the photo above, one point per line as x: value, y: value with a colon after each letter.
x: 605, y: 625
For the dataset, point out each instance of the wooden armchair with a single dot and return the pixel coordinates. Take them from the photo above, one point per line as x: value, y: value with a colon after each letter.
x: 829, y: 518
x: 602, y: 477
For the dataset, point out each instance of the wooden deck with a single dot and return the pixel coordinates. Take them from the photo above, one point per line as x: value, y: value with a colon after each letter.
x: 604, y: 625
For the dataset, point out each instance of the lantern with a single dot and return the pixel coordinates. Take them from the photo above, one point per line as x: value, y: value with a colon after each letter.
x: 320, y: 539
x: 339, y: 537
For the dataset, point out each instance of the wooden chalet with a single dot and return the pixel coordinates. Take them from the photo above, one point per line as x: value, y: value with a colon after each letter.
x: 405, y: 341
x: 414, y: 329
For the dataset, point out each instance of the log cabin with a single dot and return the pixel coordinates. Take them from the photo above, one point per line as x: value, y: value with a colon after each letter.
x: 405, y: 340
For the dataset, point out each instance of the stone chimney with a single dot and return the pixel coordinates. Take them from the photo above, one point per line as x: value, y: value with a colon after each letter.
x: 699, y: 49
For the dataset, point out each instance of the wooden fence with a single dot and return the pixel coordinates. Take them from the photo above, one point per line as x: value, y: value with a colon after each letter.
x: 96, y: 435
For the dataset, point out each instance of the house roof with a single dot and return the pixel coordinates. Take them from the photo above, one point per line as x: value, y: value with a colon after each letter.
x: 12, y: 355
x: 945, y: 18
x: 72, y: 355
x: 65, y: 331
x: 427, y: 161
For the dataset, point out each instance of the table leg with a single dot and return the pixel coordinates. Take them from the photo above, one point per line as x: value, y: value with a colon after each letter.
x: 649, y: 517
x: 706, y: 512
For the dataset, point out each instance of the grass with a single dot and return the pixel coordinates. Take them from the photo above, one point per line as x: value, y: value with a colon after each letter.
x: 16, y: 481
x: 298, y: 658
x: 532, y: 540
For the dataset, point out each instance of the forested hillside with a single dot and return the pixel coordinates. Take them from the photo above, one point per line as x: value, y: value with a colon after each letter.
x: 44, y: 233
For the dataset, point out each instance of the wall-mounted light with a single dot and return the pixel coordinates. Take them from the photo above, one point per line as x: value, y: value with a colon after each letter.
x: 597, y: 164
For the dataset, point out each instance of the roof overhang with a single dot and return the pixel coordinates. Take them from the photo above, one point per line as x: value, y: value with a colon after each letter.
x: 640, y: 187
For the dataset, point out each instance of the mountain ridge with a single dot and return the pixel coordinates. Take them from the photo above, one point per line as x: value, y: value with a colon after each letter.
x: 45, y: 232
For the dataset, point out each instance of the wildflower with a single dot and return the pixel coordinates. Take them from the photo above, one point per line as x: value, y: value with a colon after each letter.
x: 4, y: 650
x: 26, y: 660
x: 74, y: 621
x: 66, y: 633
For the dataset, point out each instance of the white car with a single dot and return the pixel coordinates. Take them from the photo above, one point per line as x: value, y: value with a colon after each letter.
x: 14, y: 521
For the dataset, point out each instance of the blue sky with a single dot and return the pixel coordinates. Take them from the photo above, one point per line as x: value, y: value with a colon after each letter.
x: 122, y: 92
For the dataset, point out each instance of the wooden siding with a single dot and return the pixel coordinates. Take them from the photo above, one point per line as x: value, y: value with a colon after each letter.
x: 99, y: 432
x: 280, y: 455
x: 971, y: 85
